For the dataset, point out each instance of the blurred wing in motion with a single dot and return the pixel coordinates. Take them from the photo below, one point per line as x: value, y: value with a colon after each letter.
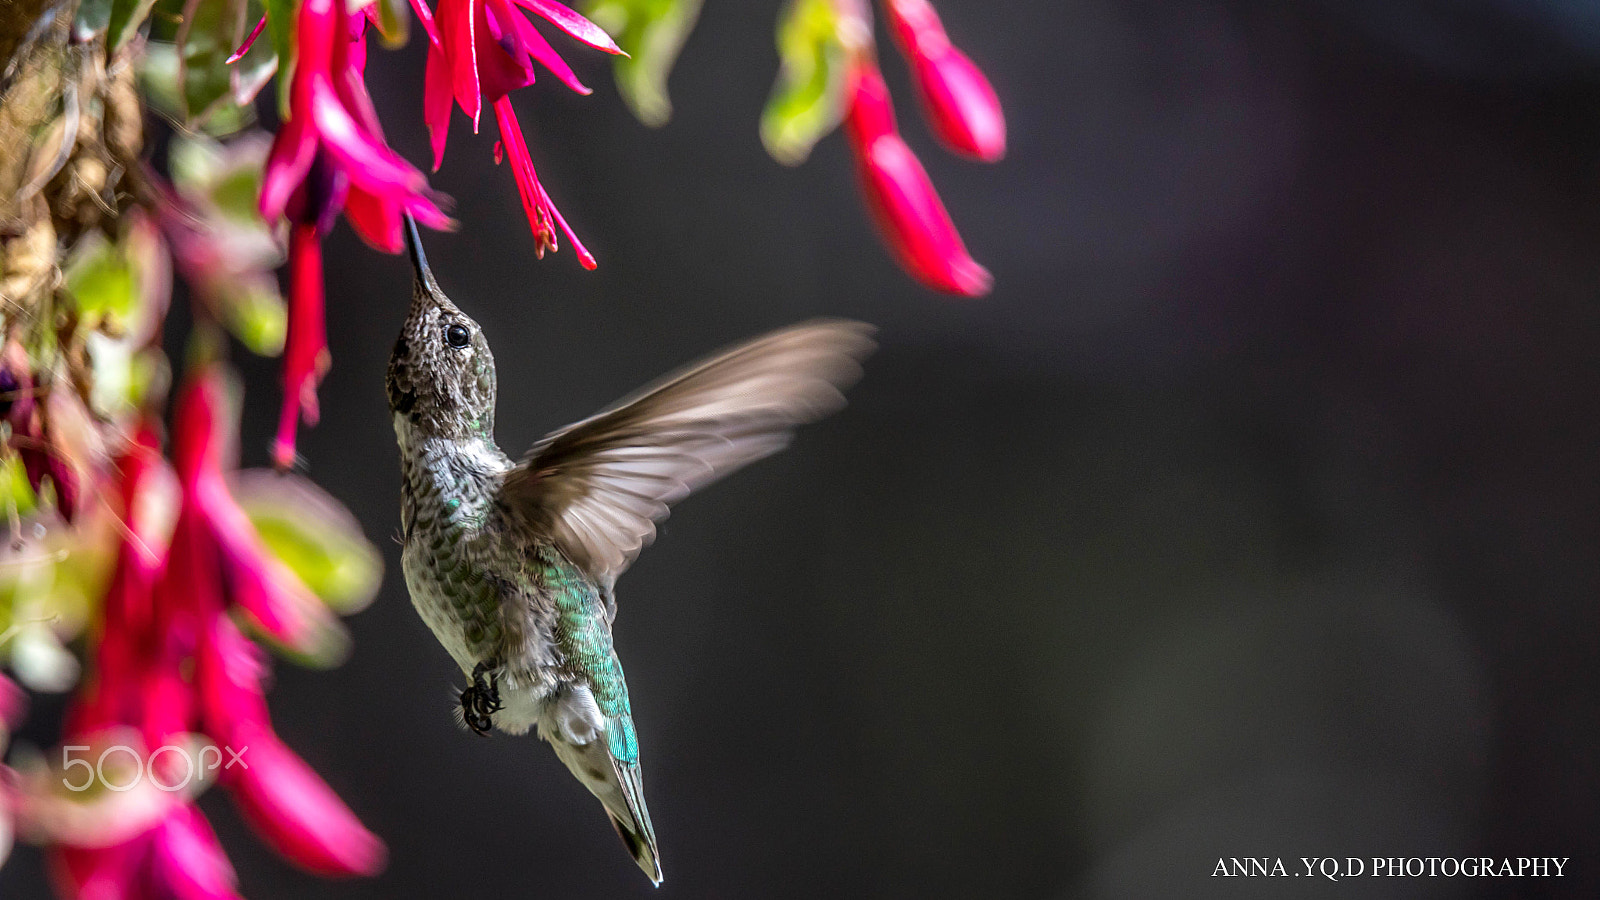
x: 598, y: 487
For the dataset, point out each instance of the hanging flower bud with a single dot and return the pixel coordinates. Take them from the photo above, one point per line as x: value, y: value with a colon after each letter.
x: 907, y: 209
x: 957, y: 100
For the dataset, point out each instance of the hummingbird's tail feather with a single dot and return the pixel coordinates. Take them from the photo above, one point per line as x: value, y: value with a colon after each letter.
x: 603, y: 754
x: 634, y: 827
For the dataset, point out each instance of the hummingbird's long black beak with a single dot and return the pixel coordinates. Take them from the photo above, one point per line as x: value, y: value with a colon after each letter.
x: 419, y: 260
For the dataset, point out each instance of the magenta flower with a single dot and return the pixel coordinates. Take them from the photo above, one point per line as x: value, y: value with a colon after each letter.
x: 329, y: 156
x: 12, y: 702
x: 331, y: 119
x: 957, y: 100
x: 482, y: 50
x: 170, y: 663
x: 903, y: 202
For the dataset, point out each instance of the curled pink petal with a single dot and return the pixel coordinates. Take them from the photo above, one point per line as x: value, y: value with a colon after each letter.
x: 297, y: 813
x: 903, y: 202
x: 573, y: 24
x: 539, y: 48
x: 366, y: 160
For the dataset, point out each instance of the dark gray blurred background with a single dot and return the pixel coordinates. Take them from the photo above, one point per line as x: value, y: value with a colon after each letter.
x: 1255, y: 513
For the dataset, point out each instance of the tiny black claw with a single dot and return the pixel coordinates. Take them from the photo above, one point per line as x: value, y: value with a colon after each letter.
x: 481, y: 700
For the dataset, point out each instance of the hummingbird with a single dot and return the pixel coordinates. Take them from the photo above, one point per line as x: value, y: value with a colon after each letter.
x: 513, y: 565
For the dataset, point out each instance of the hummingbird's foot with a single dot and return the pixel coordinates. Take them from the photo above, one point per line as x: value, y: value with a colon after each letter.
x: 481, y: 700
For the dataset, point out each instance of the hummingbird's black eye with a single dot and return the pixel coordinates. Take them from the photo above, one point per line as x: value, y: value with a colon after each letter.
x: 457, y: 336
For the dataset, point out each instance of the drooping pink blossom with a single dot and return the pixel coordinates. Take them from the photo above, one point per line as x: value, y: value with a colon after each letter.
x: 330, y: 114
x: 957, y: 100
x: 903, y: 202
x: 482, y: 50
x: 171, y: 664
x: 330, y: 156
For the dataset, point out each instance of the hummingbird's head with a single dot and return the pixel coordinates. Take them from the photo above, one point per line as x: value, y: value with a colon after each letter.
x: 441, y: 374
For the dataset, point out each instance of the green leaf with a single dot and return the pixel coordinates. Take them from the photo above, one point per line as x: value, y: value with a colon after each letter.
x: 807, y: 102
x: 211, y: 31
x: 15, y: 492
x: 101, y: 280
x: 255, y: 314
x: 280, y: 21
x: 126, y: 17
x: 314, y: 535
x: 652, y: 33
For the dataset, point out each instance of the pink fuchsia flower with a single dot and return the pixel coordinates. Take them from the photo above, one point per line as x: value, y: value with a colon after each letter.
x: 482, y: 50
x: 328, y: 156
x: 331, y: 119
x: 903, y: 202
x: 170, y: 662
x: 957, y: 100
x: 279, y: 794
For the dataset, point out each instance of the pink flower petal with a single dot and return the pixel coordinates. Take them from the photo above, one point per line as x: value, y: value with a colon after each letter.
x: 375, y: 220
x: 264, y: 588
x: 357, y: 153
x: 293, y: 150
x: 317, y: 27
x: 352, y: 91
x: 297, y: 813
x: 573, y: 24
x: 229, y: 669
x: 427, y: 211
x: 305, y: 353
x: 871, y: 112
x: 961, y: 106
x: 540, y: 49
x: 957, y: 100
x: 12, y: 703
x: 100, y: 873
x: 436, y: 102
x: 458, y: 21
x: 903, y: 202
x: 429, y: 27
x: 501, y: 69
x: 187, y: 863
